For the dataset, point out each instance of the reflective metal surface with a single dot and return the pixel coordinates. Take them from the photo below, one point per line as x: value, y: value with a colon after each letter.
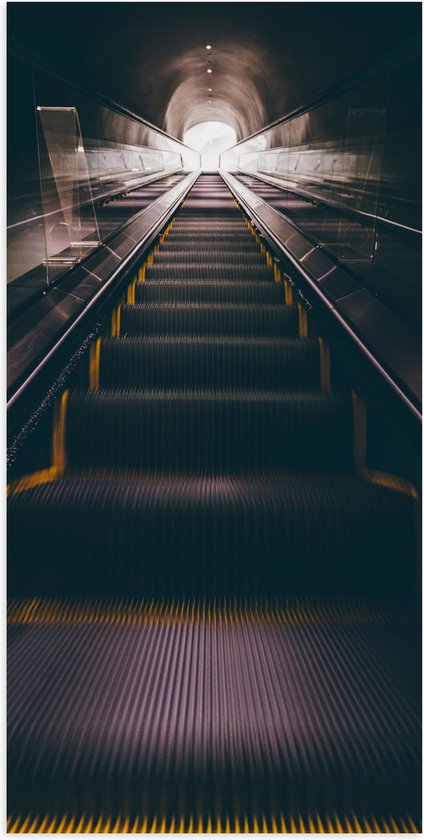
x: 47, y: 322
x: 388, y: 340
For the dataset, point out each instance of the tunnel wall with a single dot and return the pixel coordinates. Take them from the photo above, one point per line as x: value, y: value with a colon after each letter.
x: 362, y: 149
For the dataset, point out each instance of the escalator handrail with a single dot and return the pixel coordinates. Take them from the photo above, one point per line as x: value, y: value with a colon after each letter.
x: 251, y: 203
x: 161, y: 210
x: 331, y: 202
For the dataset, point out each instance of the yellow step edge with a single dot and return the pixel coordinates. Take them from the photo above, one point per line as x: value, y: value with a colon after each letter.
x: 39, y: 611
x: 94, y: 364
x: 242, y: 825
x: 59, y: 433
x: 392, y: 482
x: 27, y: 482
x: 303, y: 321
x: 115, y: 327
x: 131, y: 291
x: 288, y: 292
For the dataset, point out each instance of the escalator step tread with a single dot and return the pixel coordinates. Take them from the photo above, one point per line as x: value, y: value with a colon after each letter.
x: 196, y: 710
x: 169, y: 361
x: 213, y: 292
x: 155, y: 534
x: 209, y: 271
x: 173, y: 248
x: 210, y: 431
x: 221, y: 319
x: 196, y: 257
x: 211, y: 625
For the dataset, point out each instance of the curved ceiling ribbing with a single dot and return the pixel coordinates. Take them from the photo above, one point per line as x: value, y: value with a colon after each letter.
x: 239, y: 82
x: 267, y: 58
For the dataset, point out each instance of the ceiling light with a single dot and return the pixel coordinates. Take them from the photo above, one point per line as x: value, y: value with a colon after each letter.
x: 210, y: 90
x: 209, y: 70
x: 208, y: 47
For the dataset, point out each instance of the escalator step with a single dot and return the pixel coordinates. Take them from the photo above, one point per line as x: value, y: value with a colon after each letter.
x: 215, y: 292
x: 225, y: 319
x: 155, y: 535
x: 209, y: 271
x: 212, y: 823
x: 168, y: 362
x: 197, y: 257
x: 208, y: 247
x: 210, y: 431
x: 213, y: 624
x: 196, y: 711
x: 196, y: 234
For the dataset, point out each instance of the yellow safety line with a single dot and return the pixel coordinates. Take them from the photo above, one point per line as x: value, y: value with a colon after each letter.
x: 51, y: 827
x: 94, y: 364
x: 277, y: 273
x: 43, y: 824
x: 27, y: 482
x: 142, y: 273
x: 39, y: 611
x: 131, y: 291
x: 325, y: 368
x: 294, y: 825
x: 59, y: 433
x: 115, y: 328
x: 359, y: 416
x: 303, y: 321
x: 12, y: 824
x: 69, y: 829
x: 392, y: 482
x: 288, y: 292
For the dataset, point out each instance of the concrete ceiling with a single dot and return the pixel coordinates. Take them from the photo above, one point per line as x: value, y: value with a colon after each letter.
x: 266, y: 58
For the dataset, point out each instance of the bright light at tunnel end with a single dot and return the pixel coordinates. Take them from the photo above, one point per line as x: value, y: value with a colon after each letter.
x: 210, y: 139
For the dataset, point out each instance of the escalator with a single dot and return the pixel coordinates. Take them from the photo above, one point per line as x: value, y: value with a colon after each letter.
x: 212, y: 601
x: 115, y: 210
x: 385, y: 257
x: 26, y: 247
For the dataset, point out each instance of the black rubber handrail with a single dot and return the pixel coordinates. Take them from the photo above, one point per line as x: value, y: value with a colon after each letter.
x: 241, y: 192
x: 353, y: 212
x: 164, y: 212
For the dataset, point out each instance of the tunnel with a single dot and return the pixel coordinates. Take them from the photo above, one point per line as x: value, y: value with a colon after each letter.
x: 214, y: 418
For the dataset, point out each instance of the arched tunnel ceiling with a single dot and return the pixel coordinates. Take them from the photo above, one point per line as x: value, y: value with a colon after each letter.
x: 266, y: 58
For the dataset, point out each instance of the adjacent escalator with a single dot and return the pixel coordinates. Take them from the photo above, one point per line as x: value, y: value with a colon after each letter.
x: 383, y: 255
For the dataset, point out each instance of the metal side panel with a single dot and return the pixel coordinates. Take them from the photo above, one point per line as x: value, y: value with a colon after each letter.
x: 389, y: 342
x: 42, y: 328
